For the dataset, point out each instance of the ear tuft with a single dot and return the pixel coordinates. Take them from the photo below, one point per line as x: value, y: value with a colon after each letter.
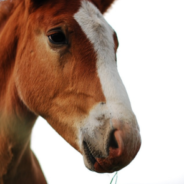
x: 103, y: 5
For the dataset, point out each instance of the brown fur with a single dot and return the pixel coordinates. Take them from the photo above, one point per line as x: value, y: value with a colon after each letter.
x: 39, y: 80
x: 103, y: 5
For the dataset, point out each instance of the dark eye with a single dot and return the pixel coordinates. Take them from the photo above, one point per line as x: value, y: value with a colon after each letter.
x: 57, y: 38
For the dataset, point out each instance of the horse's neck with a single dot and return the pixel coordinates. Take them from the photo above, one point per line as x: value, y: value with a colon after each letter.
x: 16, y: 121
x: 11, y: 107
x: 7, y: 48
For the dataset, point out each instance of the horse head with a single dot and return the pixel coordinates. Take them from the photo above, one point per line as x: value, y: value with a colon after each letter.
x: 66, y: 72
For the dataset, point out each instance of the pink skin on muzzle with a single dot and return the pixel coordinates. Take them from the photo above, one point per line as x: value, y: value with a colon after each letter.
x: 128, y: 144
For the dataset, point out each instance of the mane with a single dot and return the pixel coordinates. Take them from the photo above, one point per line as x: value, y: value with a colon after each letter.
x: 6, y: 9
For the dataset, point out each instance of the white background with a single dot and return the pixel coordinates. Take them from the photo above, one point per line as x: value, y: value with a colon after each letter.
x: 151, y: 64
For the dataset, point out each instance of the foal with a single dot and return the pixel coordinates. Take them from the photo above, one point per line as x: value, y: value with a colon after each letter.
x: 58, y: 61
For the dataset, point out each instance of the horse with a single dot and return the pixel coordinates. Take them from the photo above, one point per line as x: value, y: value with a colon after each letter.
x: 58, y: 61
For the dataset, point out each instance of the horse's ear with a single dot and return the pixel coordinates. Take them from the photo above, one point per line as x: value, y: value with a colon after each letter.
x: 103, y: 5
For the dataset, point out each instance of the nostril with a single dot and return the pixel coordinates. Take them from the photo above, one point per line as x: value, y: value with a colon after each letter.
x: 112, y: 141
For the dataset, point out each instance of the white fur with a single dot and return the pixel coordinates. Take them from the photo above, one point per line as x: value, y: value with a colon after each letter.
x: 100, y: 34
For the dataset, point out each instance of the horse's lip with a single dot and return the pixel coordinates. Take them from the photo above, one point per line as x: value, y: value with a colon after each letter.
x: 97, y: 166
x: 100, y: 169
x: 88, y: 153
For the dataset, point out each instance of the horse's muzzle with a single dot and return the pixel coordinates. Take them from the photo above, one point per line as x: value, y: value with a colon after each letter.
x: 122, y: 145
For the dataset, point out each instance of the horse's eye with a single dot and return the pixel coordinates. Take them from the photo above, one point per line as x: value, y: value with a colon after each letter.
x: 57, y: 38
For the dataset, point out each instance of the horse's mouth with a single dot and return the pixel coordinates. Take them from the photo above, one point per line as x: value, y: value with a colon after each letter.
x: 88, y: 153
x: 96, y: 166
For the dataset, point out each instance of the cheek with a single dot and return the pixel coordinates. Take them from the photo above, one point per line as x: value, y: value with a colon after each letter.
x: 36, y: 77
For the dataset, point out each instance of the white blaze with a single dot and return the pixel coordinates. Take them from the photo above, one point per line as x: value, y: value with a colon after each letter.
x: 100, y: 34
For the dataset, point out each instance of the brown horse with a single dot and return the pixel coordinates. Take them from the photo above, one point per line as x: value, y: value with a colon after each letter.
x: 58, y: 61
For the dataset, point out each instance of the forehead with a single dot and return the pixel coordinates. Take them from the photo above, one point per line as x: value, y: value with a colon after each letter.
x: 84, y: 12
x: 97, y: 30
x: 93, y: 23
